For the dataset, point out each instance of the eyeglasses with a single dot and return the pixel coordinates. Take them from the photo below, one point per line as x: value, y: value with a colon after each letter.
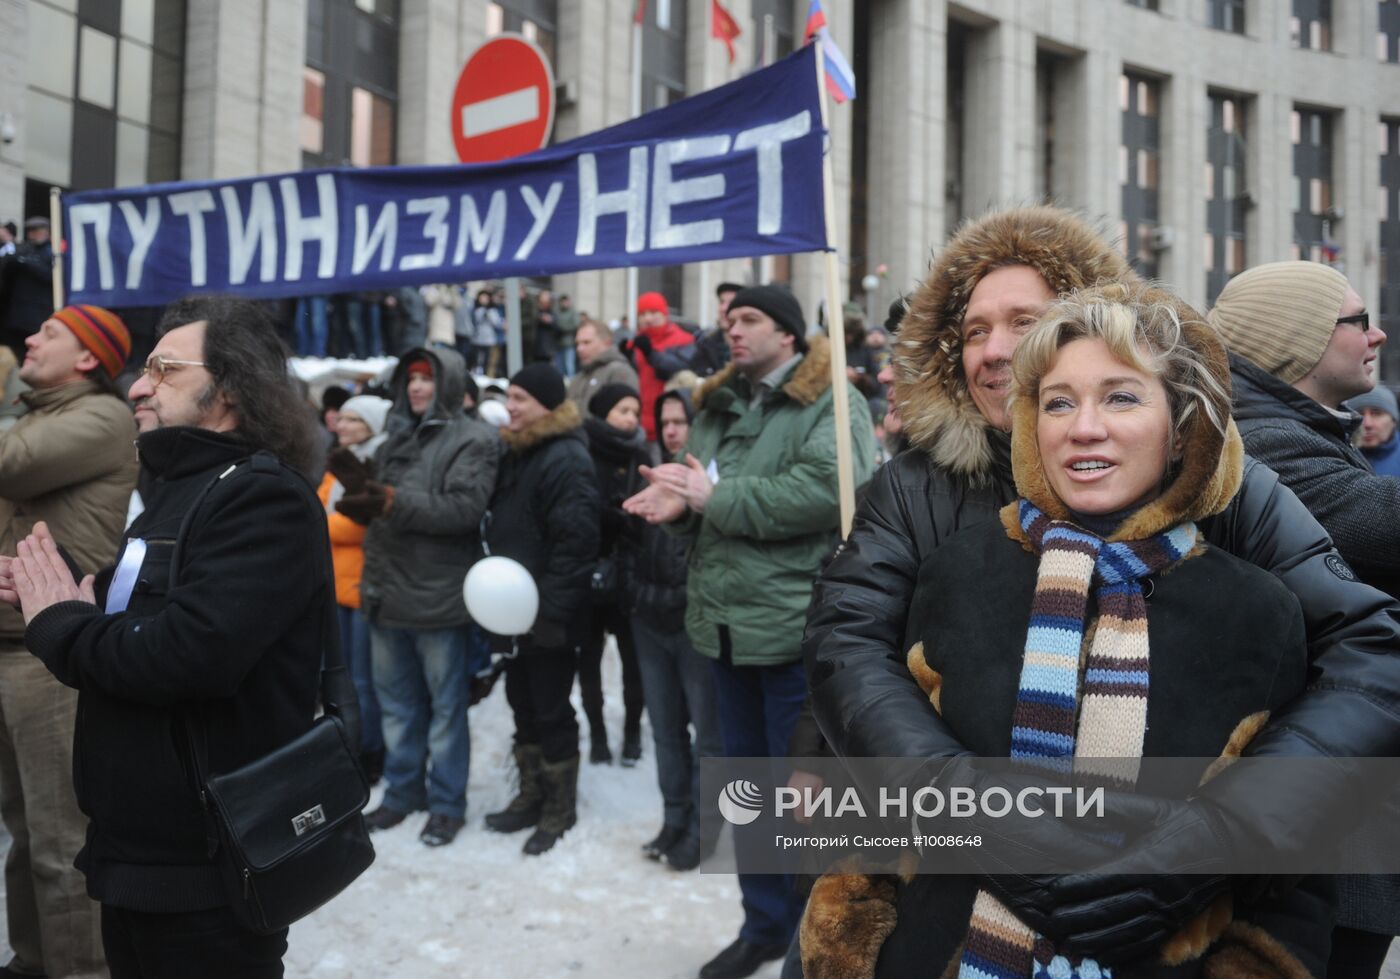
x: 157, y: 367
x: 1362, y: 321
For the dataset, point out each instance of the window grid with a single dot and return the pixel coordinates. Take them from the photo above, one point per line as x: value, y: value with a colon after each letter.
x: 1311, y: 24
x: 1226, y: 15
x: 350, y: 83
x: 1227, y: 199
x: 1140, y: 98
x: 1388, y: 31
x: 1389, y: 312
x: 1315, y: 231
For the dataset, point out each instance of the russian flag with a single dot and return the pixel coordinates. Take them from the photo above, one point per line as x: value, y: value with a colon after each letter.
x: 840, y: 80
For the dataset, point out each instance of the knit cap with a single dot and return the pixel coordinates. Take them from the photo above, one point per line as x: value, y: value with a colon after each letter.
x: 652, y: 302
x: 1380, y: 398
x: 541, y: 382
x: 778, y: 303
x: 101, y: 332
x: 374, y: 411
x: 607, y: 398
x: 1281, y: 316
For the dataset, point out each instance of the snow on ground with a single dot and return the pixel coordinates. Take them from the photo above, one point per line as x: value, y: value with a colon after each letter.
x: 591, y: 907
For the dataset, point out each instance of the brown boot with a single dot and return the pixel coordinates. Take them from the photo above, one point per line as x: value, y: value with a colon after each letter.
x: 524, y: 810
x: 558, y: 813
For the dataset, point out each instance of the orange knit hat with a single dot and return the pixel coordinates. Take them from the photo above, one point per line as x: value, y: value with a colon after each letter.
x: 102, y: 332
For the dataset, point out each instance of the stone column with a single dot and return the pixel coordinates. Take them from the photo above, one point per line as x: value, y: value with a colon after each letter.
x: 14, y: 46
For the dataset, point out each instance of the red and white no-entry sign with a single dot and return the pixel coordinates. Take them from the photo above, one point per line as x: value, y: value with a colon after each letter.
x: 503, y: 105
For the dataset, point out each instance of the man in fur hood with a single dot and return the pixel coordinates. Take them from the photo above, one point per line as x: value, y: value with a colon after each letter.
x: 756, y: 495
x: 952, y: 369
x: 546, y: 514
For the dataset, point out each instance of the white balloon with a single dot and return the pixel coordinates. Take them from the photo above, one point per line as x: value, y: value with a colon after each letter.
x: 501, y: 596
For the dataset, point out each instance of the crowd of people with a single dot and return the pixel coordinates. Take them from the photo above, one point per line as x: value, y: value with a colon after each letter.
x: 1037, y: 435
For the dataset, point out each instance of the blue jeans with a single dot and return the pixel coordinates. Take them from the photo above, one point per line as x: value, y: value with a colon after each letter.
x: 354, y: 646
x: 679, y: 687
x: 421, y: 677
x: 567, y: 357
x: 312, y: 327
x: 758, y: 707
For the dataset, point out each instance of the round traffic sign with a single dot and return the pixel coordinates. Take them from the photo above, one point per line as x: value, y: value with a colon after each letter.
x: 503, y: 105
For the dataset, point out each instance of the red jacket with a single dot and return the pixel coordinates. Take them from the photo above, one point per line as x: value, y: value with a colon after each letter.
x: 661, y: 337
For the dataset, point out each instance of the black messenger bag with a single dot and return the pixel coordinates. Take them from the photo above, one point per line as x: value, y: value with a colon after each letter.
x: 287, y: 830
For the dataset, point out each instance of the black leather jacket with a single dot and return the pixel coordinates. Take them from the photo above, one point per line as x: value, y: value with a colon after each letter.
x: 868, y: 704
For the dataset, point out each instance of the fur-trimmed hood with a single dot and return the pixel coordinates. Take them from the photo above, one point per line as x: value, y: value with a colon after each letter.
x: 1212, y: 463
x: 934, y: 403
x: 563, y: 420
x: 808, y: 382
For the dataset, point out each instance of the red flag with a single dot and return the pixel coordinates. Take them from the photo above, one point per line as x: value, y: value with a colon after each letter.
x: 723, y: 27
x: 640, y: 16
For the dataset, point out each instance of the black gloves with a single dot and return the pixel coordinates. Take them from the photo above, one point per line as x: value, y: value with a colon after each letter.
x: 373, y: 501
x: 349, y: 469
x: 641, y: 345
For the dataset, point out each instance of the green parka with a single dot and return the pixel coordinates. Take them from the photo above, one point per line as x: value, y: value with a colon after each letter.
x: 774, y: 514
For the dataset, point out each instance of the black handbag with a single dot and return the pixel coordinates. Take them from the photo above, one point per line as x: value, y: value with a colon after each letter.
x: 287, y: 830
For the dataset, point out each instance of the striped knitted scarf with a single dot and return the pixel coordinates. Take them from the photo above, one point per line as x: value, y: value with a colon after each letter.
x: 1106, y: 744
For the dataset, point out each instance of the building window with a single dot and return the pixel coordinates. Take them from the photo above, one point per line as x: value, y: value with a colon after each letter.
x: 663, y: 82
x: 537, y: 20
x: 1311, y: 24
x: 1315, y: 234
x: 1388, y: 30
x: 1144, y: 4
x: 1226, y: 196
x: 1226, y: 15
x: 1390, y: 242
x: 350, y: 83
x: 105, y: 92
x: 774, y: 30
x: 1139, y: 169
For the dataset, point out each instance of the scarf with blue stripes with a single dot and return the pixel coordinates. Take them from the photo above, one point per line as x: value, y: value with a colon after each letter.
x: 1102, y: 737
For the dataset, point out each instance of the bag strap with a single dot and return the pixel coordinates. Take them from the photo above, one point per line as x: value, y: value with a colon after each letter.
x: 338, y: 697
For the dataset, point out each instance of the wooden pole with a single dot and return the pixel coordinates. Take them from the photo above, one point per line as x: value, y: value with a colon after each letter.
x: 56, y: 243
x: 836, y: 323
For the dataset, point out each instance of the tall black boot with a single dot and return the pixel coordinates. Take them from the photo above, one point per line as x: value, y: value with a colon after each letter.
x: 559, y: 812
x: 524, y: 810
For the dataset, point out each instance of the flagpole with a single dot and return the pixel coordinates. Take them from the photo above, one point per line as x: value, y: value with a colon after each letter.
x: 836, y: 321
x: 704, y: 317
x: 56, y: 243
x: 632, y: 283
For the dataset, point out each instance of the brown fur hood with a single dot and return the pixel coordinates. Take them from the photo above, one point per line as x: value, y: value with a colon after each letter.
x: 934, y: 403
x: 1212, y: 464
x: 808, y: 382
x: 560, y: 421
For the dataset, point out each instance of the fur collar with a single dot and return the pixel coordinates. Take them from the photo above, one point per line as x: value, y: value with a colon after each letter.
x: 805, y: 385
x: 1209, y: 474
x: 560, y: 421
x: 937, y: 409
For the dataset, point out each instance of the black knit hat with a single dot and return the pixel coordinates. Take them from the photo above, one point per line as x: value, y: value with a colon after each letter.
x: 778, y: 303
x: 541, y: 382
x: 607, y: 398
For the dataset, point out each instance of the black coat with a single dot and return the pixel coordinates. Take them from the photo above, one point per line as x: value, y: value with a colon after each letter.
x: 235, y: 644
x: 26, y: 289
x: 868, y: 704
x: 616, y: 456
x: 1207, y: 604
x: 545, y: 513
x: 1310, y: 449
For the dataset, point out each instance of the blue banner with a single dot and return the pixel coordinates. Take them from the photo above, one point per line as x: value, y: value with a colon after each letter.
x: 732, y: 172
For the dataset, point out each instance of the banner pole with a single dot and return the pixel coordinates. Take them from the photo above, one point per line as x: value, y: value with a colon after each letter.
x: 836, y: 321
x: 56, y: 243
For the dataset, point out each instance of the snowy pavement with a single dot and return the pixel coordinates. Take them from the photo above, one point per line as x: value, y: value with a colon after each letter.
x: 591, y: 907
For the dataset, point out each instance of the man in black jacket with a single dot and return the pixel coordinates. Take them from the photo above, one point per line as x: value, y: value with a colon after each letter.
x: 953, y: 369
x: 223, y: 639
x: 1301, y: 343
x: 545, y: 513
x: 422, y: 499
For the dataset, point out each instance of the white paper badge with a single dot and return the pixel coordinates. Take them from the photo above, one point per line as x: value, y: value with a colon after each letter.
x: 124, y: 580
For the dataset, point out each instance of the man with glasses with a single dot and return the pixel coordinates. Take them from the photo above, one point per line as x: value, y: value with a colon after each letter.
x: 68, y: 462
x: 223, y: 644
x: 1301, y: 343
